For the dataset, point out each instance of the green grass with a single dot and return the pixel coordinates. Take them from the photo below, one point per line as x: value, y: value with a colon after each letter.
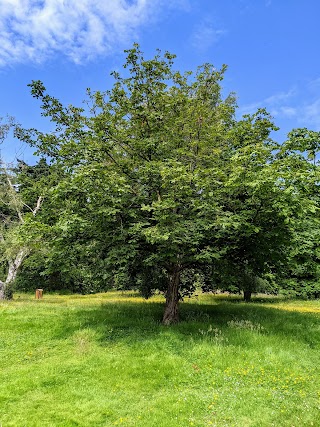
x: 106, y: 360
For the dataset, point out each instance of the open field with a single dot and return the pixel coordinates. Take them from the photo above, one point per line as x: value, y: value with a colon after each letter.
x: 105, y: 360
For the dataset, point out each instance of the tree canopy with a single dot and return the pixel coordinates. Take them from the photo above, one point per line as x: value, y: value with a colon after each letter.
x: 160, y: 183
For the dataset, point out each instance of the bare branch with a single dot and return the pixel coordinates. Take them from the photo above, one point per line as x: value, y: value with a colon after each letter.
x: 38, y: 206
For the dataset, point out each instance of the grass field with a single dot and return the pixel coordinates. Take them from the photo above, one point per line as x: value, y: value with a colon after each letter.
x: 106, y: 360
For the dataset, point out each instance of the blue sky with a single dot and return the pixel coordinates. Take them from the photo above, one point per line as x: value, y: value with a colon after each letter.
x: 271, y: 48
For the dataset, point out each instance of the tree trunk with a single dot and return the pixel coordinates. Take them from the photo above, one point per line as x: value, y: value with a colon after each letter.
x: 171, y: 314
x: 247, y: 295
x: 2, y: 290
x: 14, y: 266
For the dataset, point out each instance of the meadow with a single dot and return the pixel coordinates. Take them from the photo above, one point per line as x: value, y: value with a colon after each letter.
x: 106, y: 360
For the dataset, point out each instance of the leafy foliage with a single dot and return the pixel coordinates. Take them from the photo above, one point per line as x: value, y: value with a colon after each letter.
x: 159, y: 182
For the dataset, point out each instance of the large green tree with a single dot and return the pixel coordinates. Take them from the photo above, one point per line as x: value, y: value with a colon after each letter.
x: 162, y: 182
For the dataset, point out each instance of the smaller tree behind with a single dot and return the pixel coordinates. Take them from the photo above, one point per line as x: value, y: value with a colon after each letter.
x: 16, y: 215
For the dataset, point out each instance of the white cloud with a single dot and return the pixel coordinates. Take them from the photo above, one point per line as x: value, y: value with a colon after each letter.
x: 280, y: 97
x: 276, y: 104
x: 290, y: 105
x: 205, y: 36
x: 313, y: 86
x: 287, y: 111
x: 310, y: 114
x: 34, y: 30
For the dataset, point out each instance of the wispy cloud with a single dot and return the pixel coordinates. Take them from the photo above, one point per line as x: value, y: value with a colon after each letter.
x: 310, y: 114
x: 291, y: 105
x: 34, y: 30
x: 287, y: 111
x: 206, y: 35
x: 314, y: 85
x: 276, y: 104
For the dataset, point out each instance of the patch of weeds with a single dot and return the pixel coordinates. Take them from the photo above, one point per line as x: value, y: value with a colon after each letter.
x: 246, y: 324
x: 214, y: 334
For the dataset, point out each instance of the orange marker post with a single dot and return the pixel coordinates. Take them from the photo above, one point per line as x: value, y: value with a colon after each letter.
x: 39, y: 293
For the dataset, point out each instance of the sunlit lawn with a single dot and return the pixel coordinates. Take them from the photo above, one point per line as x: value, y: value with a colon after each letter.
x: 106, y: 360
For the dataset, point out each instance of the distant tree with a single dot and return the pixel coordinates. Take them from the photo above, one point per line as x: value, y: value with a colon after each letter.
x: 302, y: 277
x: 162, y: 182
x: 37, y: 269
x: 14, y: 245
x: 16, y: 213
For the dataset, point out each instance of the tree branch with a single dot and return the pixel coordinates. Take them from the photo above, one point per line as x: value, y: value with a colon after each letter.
x: 38, y: 206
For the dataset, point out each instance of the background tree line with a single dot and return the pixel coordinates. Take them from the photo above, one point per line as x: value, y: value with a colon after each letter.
x: 156, y: 185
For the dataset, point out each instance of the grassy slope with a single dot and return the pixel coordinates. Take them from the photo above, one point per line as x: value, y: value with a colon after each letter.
x: 106, y: 360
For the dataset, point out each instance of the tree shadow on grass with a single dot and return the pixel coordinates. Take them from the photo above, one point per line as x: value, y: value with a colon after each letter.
x: 136, y: 322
